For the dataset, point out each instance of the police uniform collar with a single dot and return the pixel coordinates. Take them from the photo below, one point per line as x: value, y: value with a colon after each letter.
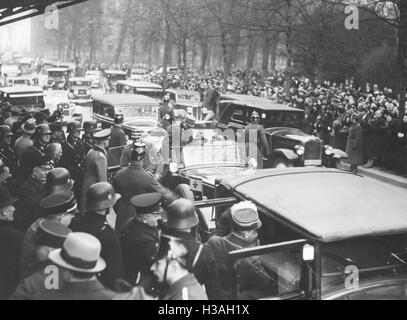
x: 97, y: 148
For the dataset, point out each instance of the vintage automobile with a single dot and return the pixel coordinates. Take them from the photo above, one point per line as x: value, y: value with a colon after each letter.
x: 349, y: 246
x: 22, y: 81
x: 149, y: 89
x: 138, y: 74
x: 58, y: 78
x: 140, y: 112
x: 201, y: 163
x: 289, y: 145
x: 79, y: 89
x: 26, y: 64
x: 29, y: 98
x: 189, y: 101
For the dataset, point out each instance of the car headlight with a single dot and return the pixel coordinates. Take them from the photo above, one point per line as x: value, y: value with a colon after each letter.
x: 88, y: 92
x: 329, y: 150
x: 189, y: 110
x: 76, y: 92
x: 300, y: 150
x: 204, y: 110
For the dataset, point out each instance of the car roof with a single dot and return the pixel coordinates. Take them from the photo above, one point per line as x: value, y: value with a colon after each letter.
x: 141, y: 84
x: 116, y: 72
x: 124, y: 99
x: 22, y: 89
x: 255, y: 102
x: 325, y: 204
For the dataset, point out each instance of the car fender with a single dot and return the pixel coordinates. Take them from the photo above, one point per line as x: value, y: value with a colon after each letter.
x: 339, y: 154
x: 285, y: 153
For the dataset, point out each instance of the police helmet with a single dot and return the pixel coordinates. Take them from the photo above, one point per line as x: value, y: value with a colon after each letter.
x: 74, y: 126
x: 255, y: 116
x: 181, y: 215
x: 101, y: 196
x: 43, y: 129
x: 5, y: 131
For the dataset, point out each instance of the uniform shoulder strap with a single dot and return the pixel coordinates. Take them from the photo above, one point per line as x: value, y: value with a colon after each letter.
x: 198, y: 254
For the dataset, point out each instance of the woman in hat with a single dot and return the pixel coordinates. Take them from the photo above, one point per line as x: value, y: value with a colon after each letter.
x: 11, y: 241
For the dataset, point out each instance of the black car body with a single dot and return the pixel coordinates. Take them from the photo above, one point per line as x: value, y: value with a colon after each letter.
x: 289, y: 145
x: 188, y: 102
x: 145, y: 88
x: 80, y: 89
x: 350, y: 246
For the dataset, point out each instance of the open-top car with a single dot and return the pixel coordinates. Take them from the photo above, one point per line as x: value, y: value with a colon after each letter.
x: 289, y: 145
x: 349, y: 246
x: 201, y: 163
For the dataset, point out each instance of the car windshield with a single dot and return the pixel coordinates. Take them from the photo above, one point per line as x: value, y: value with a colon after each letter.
x: 22, y: 101
x: 156, y: 94
x: 373, y: 258
x: 56, y: 74
x: 272, y: 119
x: 80, y: 83
x: 189, y: 97
x: 220, y: 153
x: 117, y: 77
x: 138, y: 111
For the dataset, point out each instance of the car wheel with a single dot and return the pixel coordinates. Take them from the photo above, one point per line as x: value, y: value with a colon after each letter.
x: 184, y: 191
x: 281, y: 163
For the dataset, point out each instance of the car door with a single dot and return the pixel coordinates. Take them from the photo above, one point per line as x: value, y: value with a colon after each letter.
x: 282, y: 271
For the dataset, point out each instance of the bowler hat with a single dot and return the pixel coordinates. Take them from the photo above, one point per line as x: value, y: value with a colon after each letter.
x: 245, y: 216
x: 59, y: 203
x: 51, y: 234
x: 5, y: 197
x: 81, y: 253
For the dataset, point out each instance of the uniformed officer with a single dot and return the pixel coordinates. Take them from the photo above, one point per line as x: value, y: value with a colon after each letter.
x: 117, y: 141
x: 139, y: 239
x: 256, y: 141
x: 25, y: 141
x: 73, y: 156
x: 253, y: 280
x: 182, y: 222
x: 179, y: 135
x: 96, y: 164
x: 90, y: 128
x: 42, y: 138
x: 9, y: 157
x: 166, y: 113
x: 101, y: 197
x: 135, y: 180
x: 58, y: 134
x: 171, y: 269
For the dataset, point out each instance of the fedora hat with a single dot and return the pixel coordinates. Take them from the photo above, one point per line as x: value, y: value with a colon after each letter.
x: 29, y: 126
x: 81, y: 253
x: 5, y: 197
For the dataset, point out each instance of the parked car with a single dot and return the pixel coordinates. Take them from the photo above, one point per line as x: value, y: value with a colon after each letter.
x: 140, y: 112
x: 139, y: 74
x: 79, y: 89
x: 189, y: 101
x: 289, y: 145
x: 58, y: 78
x: 350, y: 246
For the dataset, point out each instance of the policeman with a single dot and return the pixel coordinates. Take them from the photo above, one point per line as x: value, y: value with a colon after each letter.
x: 182, y: 222
x: 139, y: 239
x: 73, y: 156
x: 117, y: 141
x: 9, y: 157
x: 58, y: 180
x: 58, y: 134
x: 179, y: 135
x: 96, y: 164
x: 90, y: 128
x: 166, y: 113
x: 101, y: 197
x: 135, y: 180
x: 256, y: 141
x: 171, y: 269
x: 42, y: 138
x: 25, y: 141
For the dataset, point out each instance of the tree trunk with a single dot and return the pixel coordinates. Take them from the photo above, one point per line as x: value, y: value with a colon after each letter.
x: 204, y: 52
x: 265, y: 53
x: 167, y: 48
x: 122, y: 34
x: 225, y: 55
x: 402, y: 57
x: 184, y: 54
x: 273, y: 53
x: 133, y: 49
x: 251, y: 51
